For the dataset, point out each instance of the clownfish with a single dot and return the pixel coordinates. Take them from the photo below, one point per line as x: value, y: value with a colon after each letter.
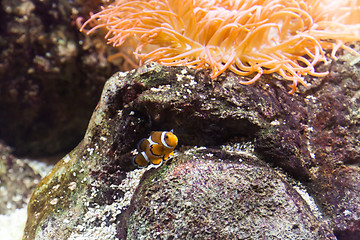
x: 155, y: 149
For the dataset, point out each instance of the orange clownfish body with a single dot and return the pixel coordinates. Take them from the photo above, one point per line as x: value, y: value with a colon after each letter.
x: 155, y: 149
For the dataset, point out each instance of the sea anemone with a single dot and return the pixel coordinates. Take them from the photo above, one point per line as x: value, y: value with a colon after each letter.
x: 249, y: 37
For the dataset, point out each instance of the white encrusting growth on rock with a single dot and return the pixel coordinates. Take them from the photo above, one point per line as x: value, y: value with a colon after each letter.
x: 107, y: 214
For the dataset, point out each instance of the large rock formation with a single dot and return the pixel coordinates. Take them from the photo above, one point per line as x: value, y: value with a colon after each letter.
x: 258, y: 143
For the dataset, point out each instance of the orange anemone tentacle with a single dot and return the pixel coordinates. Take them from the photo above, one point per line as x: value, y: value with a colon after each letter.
x: 263, y: 37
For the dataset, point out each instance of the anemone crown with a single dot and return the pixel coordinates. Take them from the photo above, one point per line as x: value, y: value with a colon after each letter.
x: 287, y: 37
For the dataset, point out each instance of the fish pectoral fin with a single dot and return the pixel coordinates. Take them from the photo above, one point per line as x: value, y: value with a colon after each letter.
x: 167, y: 156
x: 156, y: 161
x: 156, y: 150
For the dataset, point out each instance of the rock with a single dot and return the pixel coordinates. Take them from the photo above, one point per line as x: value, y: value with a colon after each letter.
x: 311, y: 135
x: 17, y: 181
x: 51, y: 75
x: 210, y: 194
